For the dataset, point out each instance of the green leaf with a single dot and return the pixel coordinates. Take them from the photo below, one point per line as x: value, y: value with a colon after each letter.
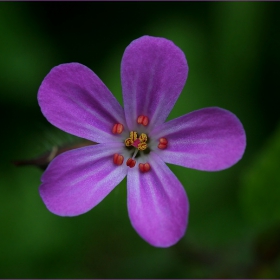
x: 260, y: 192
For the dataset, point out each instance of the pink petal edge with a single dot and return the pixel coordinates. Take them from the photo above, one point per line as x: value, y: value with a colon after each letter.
x: 153, y: 73
x: 157, y: 204
x: 75, y: 100
x: 77, y: 180
x: 208, y: 139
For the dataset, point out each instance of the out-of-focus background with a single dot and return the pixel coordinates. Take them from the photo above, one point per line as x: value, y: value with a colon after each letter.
x: 233, y: 55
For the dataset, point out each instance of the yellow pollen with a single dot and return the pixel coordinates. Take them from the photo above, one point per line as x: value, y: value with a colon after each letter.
x: 143, y: 137
x: 133, y: 135
x: 128, y: 142
x: 142, y: 146
x: 140, y: 143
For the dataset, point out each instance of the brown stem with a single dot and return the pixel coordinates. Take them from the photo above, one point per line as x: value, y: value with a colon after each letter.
x: 43, y: 160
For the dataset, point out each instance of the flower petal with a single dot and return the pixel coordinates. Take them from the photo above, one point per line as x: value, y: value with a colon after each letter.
x: 209, y: 139
x: 77, y: 180
x: 157, y: 204
x: 75, y: 100
x: 153, y: 74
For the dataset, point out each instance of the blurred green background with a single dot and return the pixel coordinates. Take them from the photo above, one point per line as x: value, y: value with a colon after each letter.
x: 233, y: 55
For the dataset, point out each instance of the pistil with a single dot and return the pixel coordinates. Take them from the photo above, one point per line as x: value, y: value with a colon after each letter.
x: 139, y: 143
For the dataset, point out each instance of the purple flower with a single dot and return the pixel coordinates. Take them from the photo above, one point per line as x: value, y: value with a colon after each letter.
x: 134, y: 141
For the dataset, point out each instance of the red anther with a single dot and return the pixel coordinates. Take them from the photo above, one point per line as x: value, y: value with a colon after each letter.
x: 147, y: 167
x: 163, y: 140
x: 114, y: 130
x: 141, y: 167
x: 162, y: 143
x: 144, y: 120
x: 118, y: 159
x: 117, y: 128
x: 144, y: 167
x: 115, y: 158
x: 162, y: 146
x: 130, y: 162
x: 140, y: 119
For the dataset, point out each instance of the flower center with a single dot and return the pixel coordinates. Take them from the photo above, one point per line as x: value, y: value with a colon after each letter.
x: 139, y: 143
x: 137, y: 146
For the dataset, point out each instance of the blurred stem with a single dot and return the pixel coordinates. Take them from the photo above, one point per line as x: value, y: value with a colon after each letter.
x: 43, y: 160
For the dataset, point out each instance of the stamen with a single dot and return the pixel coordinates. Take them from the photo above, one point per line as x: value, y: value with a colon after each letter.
x: 162, y: 146
x: 131, y: 162
x: 117, y: 128
x: 144, y: 120
x: 118, y: 159
x: 162, y: 143
x: 128, y: 142
x: 143, y: 137
x: 163, y: 140
x: 139, y: 143
x: 133, y: 135
x: 140, y: 119
x: 142, y: 146
x: 144, y: 167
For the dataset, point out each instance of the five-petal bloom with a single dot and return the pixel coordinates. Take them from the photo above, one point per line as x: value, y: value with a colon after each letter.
x: 134, y: 141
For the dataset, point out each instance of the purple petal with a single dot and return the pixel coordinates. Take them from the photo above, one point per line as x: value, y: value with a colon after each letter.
x: 77, y: 180
x: 157, y: 204
x: 209, y: 139
x: 75, y: 100
x: 153, y: 74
